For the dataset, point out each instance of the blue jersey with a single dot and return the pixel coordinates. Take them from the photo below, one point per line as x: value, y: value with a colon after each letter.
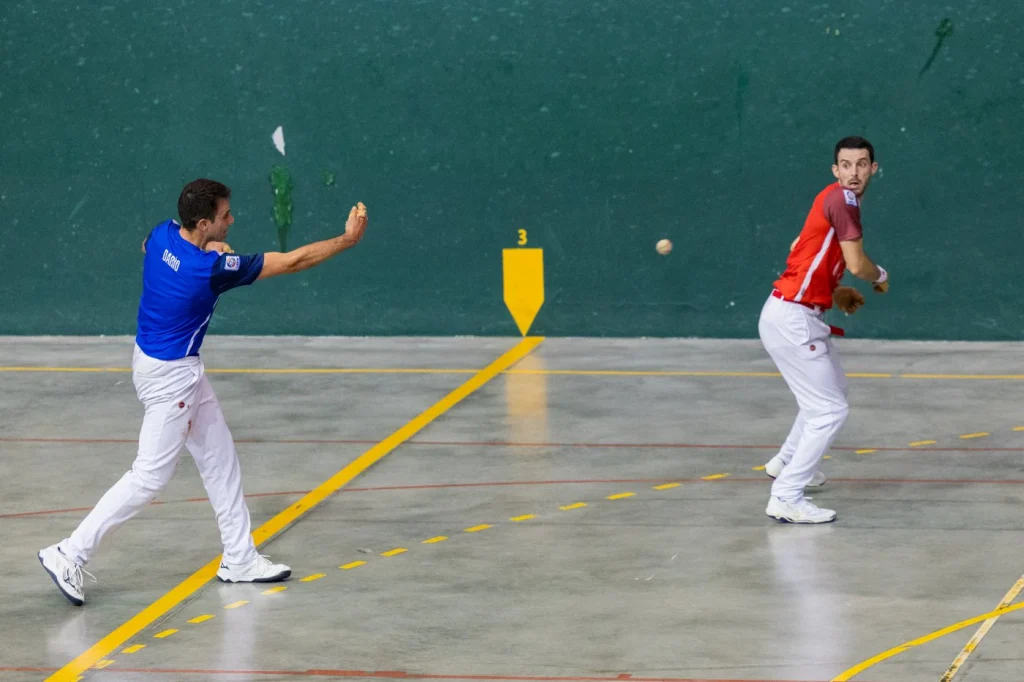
x: 180, y: 286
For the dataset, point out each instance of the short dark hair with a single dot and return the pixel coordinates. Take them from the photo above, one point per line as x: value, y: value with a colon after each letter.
x: 199, y: 200
x: 854, y: 142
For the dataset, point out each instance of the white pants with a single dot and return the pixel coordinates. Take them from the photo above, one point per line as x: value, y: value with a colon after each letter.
x: 800, y: 344
x: 181, y: 409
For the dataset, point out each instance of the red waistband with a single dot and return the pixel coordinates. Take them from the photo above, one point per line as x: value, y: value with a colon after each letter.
x: 778, y: 294
x: 836, y: 331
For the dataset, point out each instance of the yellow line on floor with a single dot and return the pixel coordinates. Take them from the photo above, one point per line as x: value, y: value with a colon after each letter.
x: 164, y: 634
x: 394, y: 552
x: 874, y: 660
x: 205, y: 617
x: 714, y: 477
x: 565, y: 372
x: 864, y: 452
x: 918, y: 443
x: 666, y: 486
x: 431, y: 541
x: 132, y: 649
x: 974, y: 641
x: 576, y: 505
x: 272, y: 590
x: 311, y: 578
x: 620, y: 496
x: 968, y: 436
x: 236, y: 604
x: 524, y: 517
x: 100, y: 665
x: 294, y: 512
x: 1013, y: 377
x: 476, y: 529
x: 1018, y: 428
x: 350, y: 566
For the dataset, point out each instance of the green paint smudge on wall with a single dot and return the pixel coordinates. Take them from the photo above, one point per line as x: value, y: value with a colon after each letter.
x: 281, y: 181
x: 944, y: 31
x: 328, y: 178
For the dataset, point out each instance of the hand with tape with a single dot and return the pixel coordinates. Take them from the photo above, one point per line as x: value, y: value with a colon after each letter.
x: 881, y: 285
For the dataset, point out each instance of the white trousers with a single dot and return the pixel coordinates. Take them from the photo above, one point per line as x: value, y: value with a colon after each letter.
x: 800, y: 344
x: 181, y: 409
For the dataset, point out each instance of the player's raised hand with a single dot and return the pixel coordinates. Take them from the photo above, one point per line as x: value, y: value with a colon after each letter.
x: 355, y: 226
x: 219, y: 247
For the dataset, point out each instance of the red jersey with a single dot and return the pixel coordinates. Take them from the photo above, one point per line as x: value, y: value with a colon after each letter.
x: 816, y: 263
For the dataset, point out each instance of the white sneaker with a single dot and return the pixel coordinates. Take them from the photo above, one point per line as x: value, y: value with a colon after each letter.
x: 798, y: 512
x: 775, y: 466
x: 66, y: 574
x: 259, y: 570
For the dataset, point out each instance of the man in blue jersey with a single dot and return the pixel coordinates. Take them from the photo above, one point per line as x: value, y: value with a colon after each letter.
x: 187, y: 267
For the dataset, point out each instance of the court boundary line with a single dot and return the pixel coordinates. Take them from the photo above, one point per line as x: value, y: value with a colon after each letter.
x: 850, y: 673
x: 549, y: 372
x: 979, y: 635
x: 293, y: 512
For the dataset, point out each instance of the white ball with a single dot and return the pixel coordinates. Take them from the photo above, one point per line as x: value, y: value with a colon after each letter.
x: 664, y: 247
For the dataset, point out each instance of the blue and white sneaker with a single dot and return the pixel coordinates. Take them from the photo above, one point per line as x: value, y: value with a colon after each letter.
x: 66, y: 574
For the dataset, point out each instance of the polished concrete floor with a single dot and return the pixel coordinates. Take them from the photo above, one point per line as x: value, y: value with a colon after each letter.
x: 549, y: 570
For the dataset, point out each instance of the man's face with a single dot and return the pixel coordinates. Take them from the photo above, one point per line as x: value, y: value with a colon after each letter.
x: 217, y: 230
x: 854, y: 169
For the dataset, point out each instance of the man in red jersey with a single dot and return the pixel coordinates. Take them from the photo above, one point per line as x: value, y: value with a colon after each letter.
x: 794, y: 334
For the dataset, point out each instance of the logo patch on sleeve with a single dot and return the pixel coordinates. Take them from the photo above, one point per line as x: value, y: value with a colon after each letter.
x: 231, y: 262
x: 851, y: 198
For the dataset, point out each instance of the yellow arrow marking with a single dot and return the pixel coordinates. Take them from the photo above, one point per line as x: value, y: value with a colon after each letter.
x: 523, y: 274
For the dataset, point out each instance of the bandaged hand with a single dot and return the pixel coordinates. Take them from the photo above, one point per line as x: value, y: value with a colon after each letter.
x: 847, y: 299
x: 219, y: 247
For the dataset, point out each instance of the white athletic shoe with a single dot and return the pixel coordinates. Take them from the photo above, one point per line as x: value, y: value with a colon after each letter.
x: 798, y: 512
x: 66, y: 574
x: 259, y: 570
x: 775, y: 466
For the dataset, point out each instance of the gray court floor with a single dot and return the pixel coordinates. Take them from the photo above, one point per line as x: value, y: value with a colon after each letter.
x: 549, y: 570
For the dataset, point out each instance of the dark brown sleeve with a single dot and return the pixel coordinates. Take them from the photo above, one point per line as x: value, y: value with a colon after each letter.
x: 842, y: 208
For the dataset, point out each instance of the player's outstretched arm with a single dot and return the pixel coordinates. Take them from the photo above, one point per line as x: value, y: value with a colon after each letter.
x: 307, y: 256
x: 862, y: 267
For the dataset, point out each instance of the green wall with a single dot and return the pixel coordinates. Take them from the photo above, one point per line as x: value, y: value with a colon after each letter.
x: 599, y: 127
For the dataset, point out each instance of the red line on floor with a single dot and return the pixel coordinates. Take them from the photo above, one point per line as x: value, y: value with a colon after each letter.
x: 493, y: 484
x: 508, y: 444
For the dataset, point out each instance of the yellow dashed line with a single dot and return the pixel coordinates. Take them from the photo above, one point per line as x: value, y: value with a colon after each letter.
x: 132, y: 649
x: 866, y: 451
x: 237, y: 604
x: 439, y: 538
x: 760, y: 468
x: 917, y: 443
x: 311, y: 578
x: 354, y: 564
x: 474, y: 529
x: 577, y: 505
x: 273, y: 590
x: 165, y: 633
x: 620, y: 496
x: 980, y: 434
x: 393, y: 552
x: 827, y: 457
x: 1018, y: 428
x: 103, y: 664
x: 203, y: 618
x: 524, y: 517
x: 666, y: 486
x: 713, y: 477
